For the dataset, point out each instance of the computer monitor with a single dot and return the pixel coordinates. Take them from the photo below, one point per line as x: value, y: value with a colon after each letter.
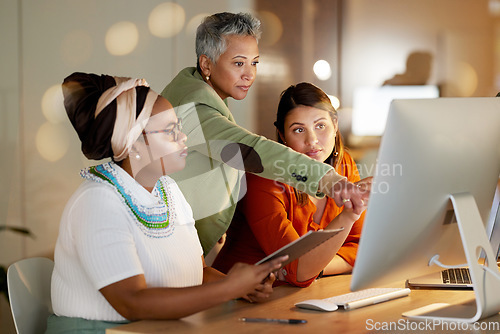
x: 437, y: 170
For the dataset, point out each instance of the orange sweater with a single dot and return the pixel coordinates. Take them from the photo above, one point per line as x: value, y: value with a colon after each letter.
x: 269, y: 217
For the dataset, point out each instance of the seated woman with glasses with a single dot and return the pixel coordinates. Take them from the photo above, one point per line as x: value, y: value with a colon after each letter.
x: 127, y: 247
x: 273, y: 214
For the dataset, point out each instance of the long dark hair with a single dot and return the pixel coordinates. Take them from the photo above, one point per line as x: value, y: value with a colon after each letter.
x: 309, y: 95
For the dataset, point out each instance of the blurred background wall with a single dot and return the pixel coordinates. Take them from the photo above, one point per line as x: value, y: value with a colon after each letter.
x: 340, y: 45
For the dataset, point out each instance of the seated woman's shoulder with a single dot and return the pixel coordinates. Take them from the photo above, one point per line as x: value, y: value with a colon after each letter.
x: 348, y: 158
x: 254, y: 178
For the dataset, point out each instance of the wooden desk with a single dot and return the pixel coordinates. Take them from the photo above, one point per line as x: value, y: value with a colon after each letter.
x: 225, y: 317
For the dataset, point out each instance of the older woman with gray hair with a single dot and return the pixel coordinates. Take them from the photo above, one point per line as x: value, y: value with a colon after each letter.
x: 220, y: 151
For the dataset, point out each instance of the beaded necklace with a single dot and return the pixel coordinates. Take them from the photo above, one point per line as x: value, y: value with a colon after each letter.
x: 154, y: 220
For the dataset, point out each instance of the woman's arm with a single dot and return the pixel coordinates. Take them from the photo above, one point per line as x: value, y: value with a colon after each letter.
x: 206, y: 119
x: 260, y: 293
x: 108, y: 254
x: 337, y: 266
x: 134, y: 300
x: 231, y: 144
x: 214, y: 135
x: 276, y: 219
x: 344, y: 260
x: 324, y: 258
x: 273, y: 228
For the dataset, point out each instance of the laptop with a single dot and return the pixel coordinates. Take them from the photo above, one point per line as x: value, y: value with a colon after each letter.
x: 459, y: 277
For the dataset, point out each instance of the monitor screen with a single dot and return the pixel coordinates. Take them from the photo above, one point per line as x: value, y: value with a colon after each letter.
x: 431, y: 149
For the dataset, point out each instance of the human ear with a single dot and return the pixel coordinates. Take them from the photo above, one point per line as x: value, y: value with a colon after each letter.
x: 205, y: 66
x: 139, y: 156
x: 137, y: 150
x: 282, y: 137
x: 335, y: 124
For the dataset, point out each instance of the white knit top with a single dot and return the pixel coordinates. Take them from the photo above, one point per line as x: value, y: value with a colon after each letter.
x: 101, y: 241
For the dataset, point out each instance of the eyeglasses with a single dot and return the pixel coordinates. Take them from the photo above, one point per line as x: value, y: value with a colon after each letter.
x: 173, y: 130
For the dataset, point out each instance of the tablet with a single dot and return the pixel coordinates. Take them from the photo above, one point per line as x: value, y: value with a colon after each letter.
x: 301, y: 246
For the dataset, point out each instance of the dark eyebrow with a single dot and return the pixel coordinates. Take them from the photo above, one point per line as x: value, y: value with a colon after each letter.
x: 296, y: 123
x: 316, y: 121
x: 244, y: 57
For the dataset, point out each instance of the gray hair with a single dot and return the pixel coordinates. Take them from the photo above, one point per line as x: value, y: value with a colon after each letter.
x: 211, y: 33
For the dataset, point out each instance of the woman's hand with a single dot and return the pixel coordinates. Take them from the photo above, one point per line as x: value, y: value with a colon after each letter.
x: 350, y: 195
x: 262, y: 291
x: 354, y: 196
x: 350, y: 215
x: 251, y: 282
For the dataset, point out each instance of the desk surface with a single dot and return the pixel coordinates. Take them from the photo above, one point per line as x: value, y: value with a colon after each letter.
x: 373, y: 318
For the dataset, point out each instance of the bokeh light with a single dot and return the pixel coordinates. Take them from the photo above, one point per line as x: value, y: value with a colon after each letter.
x: 335, y: 101
x: 461, y: 80
x: 52, y: 105
x: 166, y: 20
x: 122, y: 38
x: 494, y: 7
x: 322, y: 70
x: 76, y: 47
x: 52, y: 141
x: 193, y: 24
x: 272, y: 28
x: 465, y: 79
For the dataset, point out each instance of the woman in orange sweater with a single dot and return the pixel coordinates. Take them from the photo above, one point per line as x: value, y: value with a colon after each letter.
x: 273, y: 214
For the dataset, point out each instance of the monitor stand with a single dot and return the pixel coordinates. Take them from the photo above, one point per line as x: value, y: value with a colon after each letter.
x: 486, y: 285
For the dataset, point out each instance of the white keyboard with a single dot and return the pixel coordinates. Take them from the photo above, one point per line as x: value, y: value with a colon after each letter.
x: 367, y: 297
